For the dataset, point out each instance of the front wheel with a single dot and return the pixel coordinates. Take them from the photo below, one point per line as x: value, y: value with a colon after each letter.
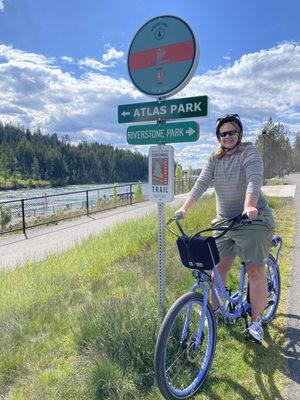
x: 274, y: 289
x: 184, y: 353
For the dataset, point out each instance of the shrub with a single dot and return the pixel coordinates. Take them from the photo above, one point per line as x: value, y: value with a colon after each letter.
x: 5, y: 216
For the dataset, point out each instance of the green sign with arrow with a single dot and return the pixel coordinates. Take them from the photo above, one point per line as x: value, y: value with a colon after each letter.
x: 163, y: 133
x: 188, y: 107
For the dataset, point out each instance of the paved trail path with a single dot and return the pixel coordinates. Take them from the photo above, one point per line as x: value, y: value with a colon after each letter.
x: 293, y: 322
x: 17, y: 249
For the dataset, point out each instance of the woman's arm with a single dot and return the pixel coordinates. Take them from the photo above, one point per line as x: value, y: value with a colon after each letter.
x: 200, y: 186
x: 254, y: 174
x: 186, y: 205
x: 250, y: 206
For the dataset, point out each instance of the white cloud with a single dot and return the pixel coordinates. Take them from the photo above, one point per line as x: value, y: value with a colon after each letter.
x: 98, y: 135
x: 93, y: 64
x: 112, y: 54
x: 259, y: 85
x: 10, y: 54
x: 36, y: 91
x: 1, y: 5
x: 67, y: 59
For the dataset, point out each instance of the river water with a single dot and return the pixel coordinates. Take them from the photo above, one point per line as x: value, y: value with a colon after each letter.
x: 49, y: 201
x: 28, y: 193
x: 43, y: 202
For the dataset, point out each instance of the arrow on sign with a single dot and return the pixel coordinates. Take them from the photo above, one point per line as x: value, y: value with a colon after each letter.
x: 125, y: 113
x: 190, y: 131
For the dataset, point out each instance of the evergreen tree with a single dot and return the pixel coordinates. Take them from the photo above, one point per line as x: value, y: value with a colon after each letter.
x: 296, y: 153
x: 278, y: 150
x: 42, y: 156
x: 178, y: 179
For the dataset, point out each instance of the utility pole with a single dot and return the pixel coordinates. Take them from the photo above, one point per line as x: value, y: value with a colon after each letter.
x: 264, y: 132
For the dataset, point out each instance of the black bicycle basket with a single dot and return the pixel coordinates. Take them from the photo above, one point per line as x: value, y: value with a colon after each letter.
x: 198, y: 252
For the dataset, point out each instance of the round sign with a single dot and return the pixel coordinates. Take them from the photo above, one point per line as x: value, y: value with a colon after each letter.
x: 163, y: 56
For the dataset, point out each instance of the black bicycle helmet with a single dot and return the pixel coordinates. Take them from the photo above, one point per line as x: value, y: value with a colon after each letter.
x: 229, y: 118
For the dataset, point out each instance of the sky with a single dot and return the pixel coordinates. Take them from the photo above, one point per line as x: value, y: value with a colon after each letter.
x: 63, y: 66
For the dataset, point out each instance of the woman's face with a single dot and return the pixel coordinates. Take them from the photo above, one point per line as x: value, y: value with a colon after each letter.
x: 228, y: 141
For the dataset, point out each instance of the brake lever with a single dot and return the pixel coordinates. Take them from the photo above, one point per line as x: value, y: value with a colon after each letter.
x: 175, y: 219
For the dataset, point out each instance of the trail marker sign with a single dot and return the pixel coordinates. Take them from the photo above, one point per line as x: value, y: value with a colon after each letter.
x: 161, y: 174
x: 163, y: 56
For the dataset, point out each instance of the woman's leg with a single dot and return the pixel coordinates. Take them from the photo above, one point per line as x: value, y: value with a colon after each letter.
x: 258, y: 290
x: 224, y: 267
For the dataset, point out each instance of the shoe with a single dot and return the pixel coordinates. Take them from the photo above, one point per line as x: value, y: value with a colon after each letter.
x: 255, y: 333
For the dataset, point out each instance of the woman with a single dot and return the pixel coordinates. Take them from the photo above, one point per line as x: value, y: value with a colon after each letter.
x: 237, y: 171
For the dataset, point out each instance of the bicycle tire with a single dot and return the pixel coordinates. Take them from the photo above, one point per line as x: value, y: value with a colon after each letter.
x: 197, y: 362
x: 274, y: 289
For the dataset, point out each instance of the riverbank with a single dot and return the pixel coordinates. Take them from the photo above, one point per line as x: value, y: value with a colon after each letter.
x: 15, y: 184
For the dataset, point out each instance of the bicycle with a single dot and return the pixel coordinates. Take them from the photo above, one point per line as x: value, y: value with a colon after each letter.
x: 186, y: 341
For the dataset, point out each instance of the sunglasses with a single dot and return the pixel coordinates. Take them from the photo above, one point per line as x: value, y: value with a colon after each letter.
x: 229, y: 133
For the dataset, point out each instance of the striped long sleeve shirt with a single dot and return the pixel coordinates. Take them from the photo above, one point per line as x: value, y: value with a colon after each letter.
x: 233, y: 177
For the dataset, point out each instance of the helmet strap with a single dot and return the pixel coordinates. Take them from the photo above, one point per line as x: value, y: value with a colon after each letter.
x: 229, y: 149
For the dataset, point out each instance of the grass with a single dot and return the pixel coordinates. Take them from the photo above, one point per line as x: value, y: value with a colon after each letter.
x: 278, y: 181
x: 83, y: 325
x: 18, y: 183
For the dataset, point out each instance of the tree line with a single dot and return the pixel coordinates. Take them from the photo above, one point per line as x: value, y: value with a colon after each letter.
x: 44, y: 157
x: 279, y: 155
x: 34, y: 155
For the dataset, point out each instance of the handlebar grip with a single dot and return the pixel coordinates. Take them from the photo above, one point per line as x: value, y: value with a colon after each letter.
x: 243, y: 217
x: 178, y: 216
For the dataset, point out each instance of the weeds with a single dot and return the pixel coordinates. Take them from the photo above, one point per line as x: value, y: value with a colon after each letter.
x: 83, y: 325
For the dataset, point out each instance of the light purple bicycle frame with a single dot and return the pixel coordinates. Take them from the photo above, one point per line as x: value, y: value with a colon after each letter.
x: 218, y: 291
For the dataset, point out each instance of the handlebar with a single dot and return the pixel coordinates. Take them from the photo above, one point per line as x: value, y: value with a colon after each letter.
x: 175, y: 219
x: 241, y: 219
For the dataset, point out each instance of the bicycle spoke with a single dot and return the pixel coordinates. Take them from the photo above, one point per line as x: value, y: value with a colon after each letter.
x: 183, y: 361
x: 273, y: 281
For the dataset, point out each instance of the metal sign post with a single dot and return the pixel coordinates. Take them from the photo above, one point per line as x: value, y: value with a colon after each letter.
x: 162, y: 59
x: 161, y: 259
x: 161, y: 190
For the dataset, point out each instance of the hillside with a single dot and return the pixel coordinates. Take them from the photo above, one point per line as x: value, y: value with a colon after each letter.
x: 34, y: 156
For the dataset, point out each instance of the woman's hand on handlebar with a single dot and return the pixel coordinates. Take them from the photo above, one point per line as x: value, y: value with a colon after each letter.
x: 180, y: 213
x: 251, y: 212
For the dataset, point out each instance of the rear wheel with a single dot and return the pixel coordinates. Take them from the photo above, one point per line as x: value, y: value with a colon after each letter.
x: 181, y: 366
x: 274, y: 289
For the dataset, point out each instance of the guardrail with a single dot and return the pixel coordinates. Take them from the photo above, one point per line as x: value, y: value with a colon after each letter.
x: 22, y: 214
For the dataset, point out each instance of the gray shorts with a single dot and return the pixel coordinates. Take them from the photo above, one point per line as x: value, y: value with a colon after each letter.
x: 251, y: 243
